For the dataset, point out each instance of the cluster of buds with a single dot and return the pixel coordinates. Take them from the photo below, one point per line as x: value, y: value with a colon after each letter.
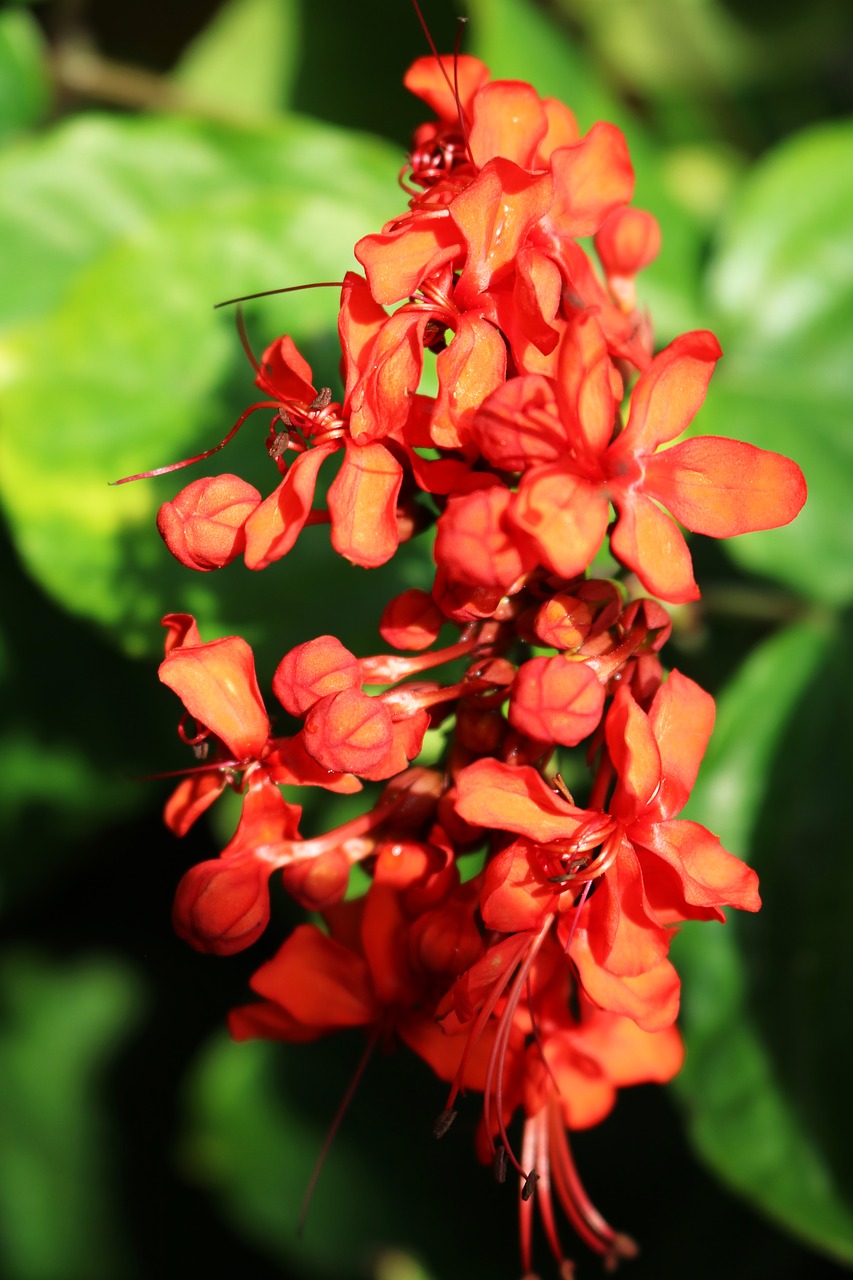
x: 542, y: 982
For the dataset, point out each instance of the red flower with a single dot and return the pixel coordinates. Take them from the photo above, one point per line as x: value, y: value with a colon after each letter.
x: 651, y: 870
x: 573, y: 467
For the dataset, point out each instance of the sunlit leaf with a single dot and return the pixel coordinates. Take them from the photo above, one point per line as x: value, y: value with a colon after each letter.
x: 24, y: 88
x: 243, y: 63
x: 141, y: 371
x: 782, y: 285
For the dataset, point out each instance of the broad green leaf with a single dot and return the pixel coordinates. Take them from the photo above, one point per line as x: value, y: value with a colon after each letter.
x: 143, y: 372
x: 519, y: 42
x: 767, y: 1073
x: 62, y: 1026
x: 782, y: 286
x: 24, y: 87
x: 243, y: 63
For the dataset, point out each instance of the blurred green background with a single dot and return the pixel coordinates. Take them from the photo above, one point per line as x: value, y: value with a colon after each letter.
x: 156, y: 159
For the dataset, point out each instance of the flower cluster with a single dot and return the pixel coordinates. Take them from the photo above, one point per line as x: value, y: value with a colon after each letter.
x: 542, y: 982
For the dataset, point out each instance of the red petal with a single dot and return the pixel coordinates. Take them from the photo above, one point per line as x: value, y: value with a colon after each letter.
x: 203, y: 525
x: 397, y: 262
x: 191, y: 798
x: 495, y: 214
x: 181, y: 628
x: 591, y: 178
x: 509, y: 121
x: 468, y: 370
x: 359, y: 320
x: 624, y: 935
x: 217, y: 684
x: 313, y: 670
x: 682, y: 717
x: 635, y: 755
x: 725, y: 487
x: 490, y: 794
x: 266, y: 818
x: 284, y: 374
x: 514, y: 897
x: 564, y: 516
x: 649, y: 542
x: 318, y: 982
x: 348, y: 732
x: 710, y: 876
x: 411, y: 620
x: 274, y: 526
x: 669, y: 394
x: 628, y: 240
x: 380, y: 401
x: 651, y: 999
x: 518, y: 425
x: 474, y: 544
x: 434, y: 80
x: 223, y: 906
x: 362, y: 503
x: 290, y: 764
x: 562, y: 130
x: 585, y: 388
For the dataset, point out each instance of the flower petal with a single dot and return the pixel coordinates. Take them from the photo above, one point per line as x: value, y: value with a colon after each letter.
x: 649, y: 542
x: 725, y: 487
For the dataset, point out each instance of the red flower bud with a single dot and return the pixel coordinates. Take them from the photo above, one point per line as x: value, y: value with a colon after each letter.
x: 556, y: 700
x: 318, y: 883
x: 627, y: 241
x: 312, y: 671
x: 349, y: 732
x: 222, y: 906
x: 411, y: 621
x: 203, y: 526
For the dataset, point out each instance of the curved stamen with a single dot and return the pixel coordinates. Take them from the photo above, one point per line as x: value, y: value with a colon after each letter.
x: 290, y: 288
x: 199, y: 457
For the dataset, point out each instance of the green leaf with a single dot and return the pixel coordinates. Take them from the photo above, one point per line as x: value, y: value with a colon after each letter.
x: 244, y: 62
x: 62, y: 1025
x: 141, y: 371
x: 782, y: 285
x: 24, y: 85
x: 767, y: 1073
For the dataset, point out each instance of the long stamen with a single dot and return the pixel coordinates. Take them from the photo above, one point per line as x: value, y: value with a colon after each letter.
x: 333, y: 1129
x: 199, y: 457
x: 290, y: 288
x: 497, y: 1061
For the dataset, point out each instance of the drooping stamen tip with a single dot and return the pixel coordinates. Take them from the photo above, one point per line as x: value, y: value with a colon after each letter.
x: 442, y: 1123
x: 529, y: 1185
x: 567, y: 1269
x: 621, y: 1247
x: 499, y: 1164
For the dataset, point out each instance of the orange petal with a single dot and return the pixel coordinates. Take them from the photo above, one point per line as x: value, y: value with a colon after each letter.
x: 724, y: 487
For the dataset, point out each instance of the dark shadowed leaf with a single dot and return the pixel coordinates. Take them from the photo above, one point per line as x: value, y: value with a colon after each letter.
x: 768, y: 1067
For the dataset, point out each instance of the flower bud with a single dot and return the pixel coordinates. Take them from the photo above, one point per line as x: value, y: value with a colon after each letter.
x: 411, y: 620
x: 203, y: 525
x: 556, y: 700
x: 312, y: 671
x: 349, y: 732
x: 318, y: 883
x: 222, y: 906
